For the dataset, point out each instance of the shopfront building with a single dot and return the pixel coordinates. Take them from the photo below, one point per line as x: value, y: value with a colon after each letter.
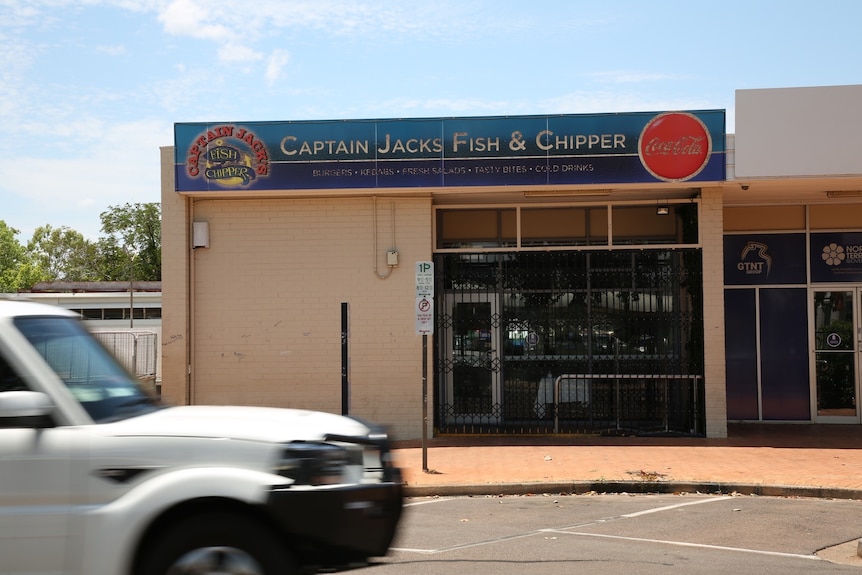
x: 792, y: 257
x: 585, y: 270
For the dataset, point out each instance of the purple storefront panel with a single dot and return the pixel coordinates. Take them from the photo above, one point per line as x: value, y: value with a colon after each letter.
x: 741, y: 354
x: 784, y: 375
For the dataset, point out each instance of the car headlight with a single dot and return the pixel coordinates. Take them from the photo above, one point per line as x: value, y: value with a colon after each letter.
x: 321, y: 463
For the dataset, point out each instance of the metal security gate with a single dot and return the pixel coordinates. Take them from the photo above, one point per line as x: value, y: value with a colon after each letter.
x: 137, y: 351
x: 588, y: 342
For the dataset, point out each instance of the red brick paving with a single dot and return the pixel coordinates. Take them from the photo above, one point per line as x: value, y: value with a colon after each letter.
x: 810, y: 456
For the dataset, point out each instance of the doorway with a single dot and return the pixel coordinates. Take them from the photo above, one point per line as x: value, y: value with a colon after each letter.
x: 472, y: 352
x: 836, y: 355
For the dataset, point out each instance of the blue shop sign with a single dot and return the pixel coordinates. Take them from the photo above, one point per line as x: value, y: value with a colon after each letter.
x: 764, y: 259
x: 836, y: 257
x: 587, y: 149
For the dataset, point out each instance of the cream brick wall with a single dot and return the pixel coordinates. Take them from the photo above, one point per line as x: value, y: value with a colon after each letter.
x: 175, y: 258
x: 712, y: 231
x: 267, y: 305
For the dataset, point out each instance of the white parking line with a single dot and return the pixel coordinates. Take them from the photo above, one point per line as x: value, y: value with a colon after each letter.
x: 466, y: 545
x: 678, y: 505
x: 427, y: 501
x: 684, y: 544
x: 568, y: 531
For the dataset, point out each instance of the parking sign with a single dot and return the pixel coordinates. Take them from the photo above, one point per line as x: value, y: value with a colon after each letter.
x: 424, y: 298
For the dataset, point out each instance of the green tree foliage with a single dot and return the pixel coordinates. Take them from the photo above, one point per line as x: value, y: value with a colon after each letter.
x: 131, y: 248
x: 18, y: 272
x: 134, y: 239
x: 114, y: 262
x: 64, y: 255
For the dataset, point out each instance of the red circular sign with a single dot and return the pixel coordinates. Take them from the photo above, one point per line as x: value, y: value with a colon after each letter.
x: 675, y: 146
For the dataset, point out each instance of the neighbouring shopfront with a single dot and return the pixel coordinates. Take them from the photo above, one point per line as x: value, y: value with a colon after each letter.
x: 792, y: 318
x: 586, y: 270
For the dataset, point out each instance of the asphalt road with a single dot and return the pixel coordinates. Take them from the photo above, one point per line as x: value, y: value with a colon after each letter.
x: 625, y: 534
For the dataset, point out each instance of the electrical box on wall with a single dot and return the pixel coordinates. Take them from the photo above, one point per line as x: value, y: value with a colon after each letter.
x: 200, y: 235
x: 392, y: 258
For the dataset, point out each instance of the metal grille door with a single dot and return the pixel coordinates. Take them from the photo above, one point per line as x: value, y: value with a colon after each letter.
x: 575, y: 342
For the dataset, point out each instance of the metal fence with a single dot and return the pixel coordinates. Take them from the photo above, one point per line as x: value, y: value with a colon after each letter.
x: 622, y: 403
x: 624, y: 329
x: 137, y: 351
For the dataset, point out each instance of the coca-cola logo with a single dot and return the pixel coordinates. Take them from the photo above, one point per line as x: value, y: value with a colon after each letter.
x: 674, y: 146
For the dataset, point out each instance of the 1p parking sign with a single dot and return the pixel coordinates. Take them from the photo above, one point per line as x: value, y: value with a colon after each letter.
x: 424, y: 308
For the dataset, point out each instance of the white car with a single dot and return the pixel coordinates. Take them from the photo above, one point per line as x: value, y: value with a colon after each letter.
x: 99, y: 478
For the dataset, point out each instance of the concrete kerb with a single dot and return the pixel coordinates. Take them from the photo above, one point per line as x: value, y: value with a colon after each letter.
x: 634, y: 487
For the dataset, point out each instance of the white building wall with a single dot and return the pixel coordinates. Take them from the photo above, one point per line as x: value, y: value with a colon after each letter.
x: 792, y: 132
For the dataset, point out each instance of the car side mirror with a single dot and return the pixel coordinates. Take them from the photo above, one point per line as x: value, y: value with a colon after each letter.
x: 25, y: 409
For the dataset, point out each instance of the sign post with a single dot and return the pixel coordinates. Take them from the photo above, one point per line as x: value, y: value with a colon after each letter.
x: 424, y: 310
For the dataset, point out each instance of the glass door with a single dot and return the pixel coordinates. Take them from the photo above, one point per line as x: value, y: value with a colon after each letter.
x: 473, y: 385
x: 836, y: 355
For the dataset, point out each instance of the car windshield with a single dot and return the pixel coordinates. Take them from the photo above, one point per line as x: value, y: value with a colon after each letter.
x: 98, y: 381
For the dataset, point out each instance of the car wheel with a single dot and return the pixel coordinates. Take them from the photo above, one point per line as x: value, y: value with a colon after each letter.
x: 217, y: 543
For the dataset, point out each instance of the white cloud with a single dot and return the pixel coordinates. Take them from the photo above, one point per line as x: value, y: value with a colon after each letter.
x: 121, y: 165
x: 345, y: 17
x: 238, y: 54
x: 20, y: 14
x: 191, y: 18
x: 186, y: 89
x: 275, y: 64
x: 243, y: 37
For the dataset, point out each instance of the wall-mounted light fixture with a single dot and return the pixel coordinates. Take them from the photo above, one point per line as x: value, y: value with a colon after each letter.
x: 662, y: 210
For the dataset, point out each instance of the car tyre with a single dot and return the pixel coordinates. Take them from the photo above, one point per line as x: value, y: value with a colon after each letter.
x: 217, y: 543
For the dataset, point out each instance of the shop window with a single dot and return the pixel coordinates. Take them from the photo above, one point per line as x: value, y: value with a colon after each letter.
x: 638, y: 225
x: 759, y: 218
x: 835, y: 217
x: 119, y: 313
x: 476, y: 228
x: 90, y: 313
x: 115, y: 313
x: 564, y: 226
x: 152, y: 312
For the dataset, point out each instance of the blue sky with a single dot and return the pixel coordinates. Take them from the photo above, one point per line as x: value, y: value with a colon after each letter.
x: 90, y: 89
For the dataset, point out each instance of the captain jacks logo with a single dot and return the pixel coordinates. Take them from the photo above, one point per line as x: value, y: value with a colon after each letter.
x: 228, y: 155
x: 754, y: 259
